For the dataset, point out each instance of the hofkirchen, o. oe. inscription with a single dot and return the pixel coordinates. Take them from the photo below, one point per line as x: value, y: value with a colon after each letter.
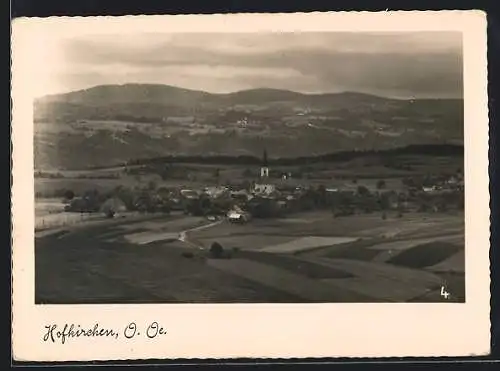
x: 55, y: 333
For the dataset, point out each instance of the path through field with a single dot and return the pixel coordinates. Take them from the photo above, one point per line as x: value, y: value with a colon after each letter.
x: 163, y: 258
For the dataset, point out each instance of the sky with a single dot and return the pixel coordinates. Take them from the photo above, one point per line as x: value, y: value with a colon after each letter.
x: 404, y: 65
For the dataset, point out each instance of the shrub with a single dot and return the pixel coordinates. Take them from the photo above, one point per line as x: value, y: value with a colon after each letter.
x: 187, y: 254
x: 216, y: 250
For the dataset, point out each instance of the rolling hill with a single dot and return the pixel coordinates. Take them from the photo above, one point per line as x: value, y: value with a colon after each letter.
x: 115, y: 123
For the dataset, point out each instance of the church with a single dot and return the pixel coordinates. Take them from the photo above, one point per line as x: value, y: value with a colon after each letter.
x: 263, y: 186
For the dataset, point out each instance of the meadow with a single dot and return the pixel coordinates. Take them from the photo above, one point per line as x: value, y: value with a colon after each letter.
x: 358, y: 258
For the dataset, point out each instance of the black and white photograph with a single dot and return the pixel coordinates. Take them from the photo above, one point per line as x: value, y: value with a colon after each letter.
x: 290, y: 167
x: 267, y: 166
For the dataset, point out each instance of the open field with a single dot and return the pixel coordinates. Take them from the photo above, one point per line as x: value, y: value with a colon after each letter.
x: 303, y: 287
x: 321, y: 223
x: 453, y: 264
x: 47, y: 206
x: 49, y: 187
x: 63, y: 219
x: 306, y: 243
x: 142, y: 260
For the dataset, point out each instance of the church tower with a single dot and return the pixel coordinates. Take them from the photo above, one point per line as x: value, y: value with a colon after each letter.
x: 264, y: 169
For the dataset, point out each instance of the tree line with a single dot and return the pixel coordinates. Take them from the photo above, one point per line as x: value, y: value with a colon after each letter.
x: 452, y: 150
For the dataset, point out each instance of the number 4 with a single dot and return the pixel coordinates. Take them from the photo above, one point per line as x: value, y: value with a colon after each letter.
x: 444, y: 293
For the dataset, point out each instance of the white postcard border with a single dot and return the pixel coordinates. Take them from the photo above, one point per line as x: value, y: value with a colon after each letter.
x: 257, y: 330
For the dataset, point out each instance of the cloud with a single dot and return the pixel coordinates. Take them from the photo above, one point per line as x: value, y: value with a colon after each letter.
x: 401, y: 64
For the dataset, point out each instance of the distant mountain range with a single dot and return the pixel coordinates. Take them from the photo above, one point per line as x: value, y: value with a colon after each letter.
x: 116, y: 123
x: 165, y: 94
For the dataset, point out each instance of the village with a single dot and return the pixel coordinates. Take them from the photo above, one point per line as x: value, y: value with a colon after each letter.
x: 276, y: 196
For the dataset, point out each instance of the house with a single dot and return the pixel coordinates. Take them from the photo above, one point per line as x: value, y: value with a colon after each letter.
x: 266, y: 189
x: 452, y: 180
x: 214, y: 192
x: 236, y: 215
x: 189, y: 193
x: 429, y: 189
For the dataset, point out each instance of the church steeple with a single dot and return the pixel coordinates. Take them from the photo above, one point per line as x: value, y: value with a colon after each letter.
x: 264, y: 170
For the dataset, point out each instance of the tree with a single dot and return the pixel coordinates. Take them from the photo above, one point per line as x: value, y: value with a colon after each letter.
x: 216, y: 250
x: 381, y: 184
x: 263, y: 208
x: 165, y: 172
x: 369, y: 204
x: 91, y: 193
x: 69, y: 194
x: 205, y: 204
x: 384, y: 201
x: 198, y: 206
x: 321, y: 196
x: 163, y: 192
x: 363, y: 191
x: 308, y: 200
x: 345, y: 200
x: 423, y: 207
x: 409, y: 182
x: 217, y: 175
x: 245, y: 184
x: 127, y: 196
